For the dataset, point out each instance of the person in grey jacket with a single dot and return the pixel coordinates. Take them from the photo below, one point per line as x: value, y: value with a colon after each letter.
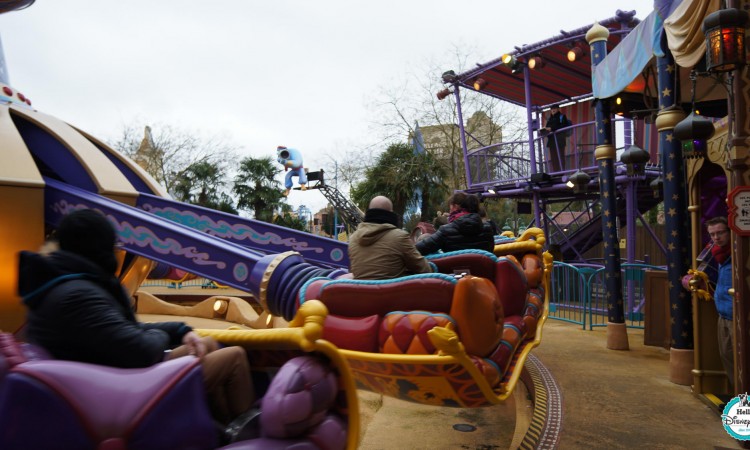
x: 465, y: 228
x: 379, y: 250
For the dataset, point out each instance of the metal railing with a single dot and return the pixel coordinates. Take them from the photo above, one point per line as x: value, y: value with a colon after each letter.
x: 578, y: 294
x: 179, y: 284
x: 509, y: 162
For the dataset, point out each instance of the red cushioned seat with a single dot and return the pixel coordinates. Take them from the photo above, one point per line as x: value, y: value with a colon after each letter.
x: 479, y: 263
x: 352, y: 333
x: 352, y: 298
x: 406, y: 332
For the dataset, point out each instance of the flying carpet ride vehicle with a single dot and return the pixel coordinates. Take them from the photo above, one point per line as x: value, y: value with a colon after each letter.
x: 458, y: 337
x: 311, y: 401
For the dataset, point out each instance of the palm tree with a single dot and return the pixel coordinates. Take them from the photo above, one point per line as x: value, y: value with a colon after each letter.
x: 200, y: 184
x: 398, y: 173
x: 257, y: 189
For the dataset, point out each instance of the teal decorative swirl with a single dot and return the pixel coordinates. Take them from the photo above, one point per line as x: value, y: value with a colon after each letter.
x: 145, y: 237
x: 223, y: 229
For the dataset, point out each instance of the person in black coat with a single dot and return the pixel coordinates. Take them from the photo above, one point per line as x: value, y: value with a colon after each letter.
x: 556, y: 141
x: 78, y: 311
x: 465, y: 228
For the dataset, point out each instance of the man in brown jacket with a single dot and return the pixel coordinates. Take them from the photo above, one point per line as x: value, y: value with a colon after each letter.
x: 379, y: 250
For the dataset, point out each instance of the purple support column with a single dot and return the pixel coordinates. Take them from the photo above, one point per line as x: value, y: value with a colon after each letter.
x: 631, y: 203
x: 462, y: 132
x: 676, y: 221
x: 532, y: 156
x: 605, y: 154
x: 632, y: 207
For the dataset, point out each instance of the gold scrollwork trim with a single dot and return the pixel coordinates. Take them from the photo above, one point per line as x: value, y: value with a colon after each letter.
x: 666, y: 119
x: 263, y: 288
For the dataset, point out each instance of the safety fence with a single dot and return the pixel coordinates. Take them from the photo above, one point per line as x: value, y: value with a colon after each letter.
x: 579, y: 293
x: 179, y: 284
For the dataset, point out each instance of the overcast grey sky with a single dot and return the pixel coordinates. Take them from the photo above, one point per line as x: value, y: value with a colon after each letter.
x: 262, y: 73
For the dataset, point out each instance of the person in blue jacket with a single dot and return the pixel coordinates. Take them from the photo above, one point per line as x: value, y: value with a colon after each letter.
x: 718, y: 231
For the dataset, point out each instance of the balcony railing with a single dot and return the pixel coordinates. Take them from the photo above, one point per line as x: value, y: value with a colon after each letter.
x: 510, y: 163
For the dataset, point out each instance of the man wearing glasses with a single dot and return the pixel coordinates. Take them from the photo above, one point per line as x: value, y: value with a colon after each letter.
x: 718, y: 230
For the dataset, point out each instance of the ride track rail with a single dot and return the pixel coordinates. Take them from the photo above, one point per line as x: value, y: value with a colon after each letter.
x: 547, y: 419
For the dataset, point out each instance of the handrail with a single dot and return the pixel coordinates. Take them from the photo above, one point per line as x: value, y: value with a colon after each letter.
x: 578, y: 293
x: 510, y: 163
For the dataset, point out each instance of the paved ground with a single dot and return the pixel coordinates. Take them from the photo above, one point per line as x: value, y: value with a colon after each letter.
x: 610, y: 400
x: 389, y: 423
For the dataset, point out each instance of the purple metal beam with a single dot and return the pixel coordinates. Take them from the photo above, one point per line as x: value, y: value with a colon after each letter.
x: 631, y: 205
x: 462, y: 132
x: 160, y: 240
x: 274, y: 280
x: 532, y: 156
x: 259, y: 236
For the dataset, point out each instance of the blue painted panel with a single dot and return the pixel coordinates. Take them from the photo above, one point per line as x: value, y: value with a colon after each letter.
x: 54, y: 155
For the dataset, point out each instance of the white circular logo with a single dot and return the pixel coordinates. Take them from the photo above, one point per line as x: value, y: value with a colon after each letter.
x: 736, y: 417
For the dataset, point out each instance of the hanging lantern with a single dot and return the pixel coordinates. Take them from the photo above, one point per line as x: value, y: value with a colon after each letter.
x: 580, y: 181
x: 657, y: 185
x: 725, y: 39
x: 694, y: 131
x: 635, y: 159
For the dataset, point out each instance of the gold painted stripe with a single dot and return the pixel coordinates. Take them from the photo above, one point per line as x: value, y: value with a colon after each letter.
x: 713, y: 399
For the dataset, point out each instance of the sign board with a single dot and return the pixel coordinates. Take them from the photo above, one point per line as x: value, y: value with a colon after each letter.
x: 739, y: 210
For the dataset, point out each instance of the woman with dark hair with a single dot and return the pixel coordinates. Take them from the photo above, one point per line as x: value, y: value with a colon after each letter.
x: 465, y: 228
x: 78, y: 311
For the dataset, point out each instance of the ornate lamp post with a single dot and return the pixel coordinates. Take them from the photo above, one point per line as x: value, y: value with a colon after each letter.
x: 579, y: 181
x: 635, y: 159
x: 694, y: 131
x: 725, y: 39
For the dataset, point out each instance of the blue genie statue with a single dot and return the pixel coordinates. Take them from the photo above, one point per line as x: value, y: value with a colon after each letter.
x: 291, y: 158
